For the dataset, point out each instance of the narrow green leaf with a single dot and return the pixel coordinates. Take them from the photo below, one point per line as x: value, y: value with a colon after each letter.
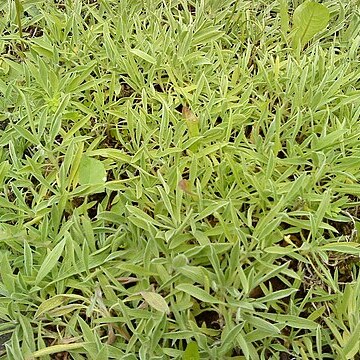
x: 156, y: 301
x: 58, y: 349
x: 143, y: 55
x: 284, y: 16
x: 231, y: 333
x: 49, y: 304
x: 280, y: 250
x: 351, y: 347
x: 111, y: 153
x: 50, y: 261
x: 276, y: 295
x: 293, y: 321
x: 342, y: 247
x: 141, y: 215
x: 262, y: 324
x: 198, y: 293
x: 26, y: 134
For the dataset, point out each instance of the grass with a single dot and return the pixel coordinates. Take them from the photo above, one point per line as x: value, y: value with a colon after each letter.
x: 178, y: 182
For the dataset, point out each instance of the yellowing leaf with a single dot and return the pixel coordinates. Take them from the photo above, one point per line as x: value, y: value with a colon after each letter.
x: 192, y: 121
x: 185, y: 186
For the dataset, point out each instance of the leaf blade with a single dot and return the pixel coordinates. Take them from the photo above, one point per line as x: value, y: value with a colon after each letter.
x: 91, y: 171
x: 309, y: 18
x: 50, y: 261
x: 198, y: 293
x: 156, y: 301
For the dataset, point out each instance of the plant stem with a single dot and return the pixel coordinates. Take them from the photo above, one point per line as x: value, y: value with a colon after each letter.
x: 18, y: 19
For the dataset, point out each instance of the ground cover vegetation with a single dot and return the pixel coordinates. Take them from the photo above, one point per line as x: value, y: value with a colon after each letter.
x: 179, y: 179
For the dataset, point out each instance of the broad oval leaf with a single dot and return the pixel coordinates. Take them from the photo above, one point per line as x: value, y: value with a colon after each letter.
x: 156, y: 301
x: 91, y: 171
x: 191, y: 352
x: 309, y: 19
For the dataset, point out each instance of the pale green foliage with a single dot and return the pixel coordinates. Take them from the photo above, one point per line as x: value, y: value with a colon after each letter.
x: 91, y: 171
x: 179, y: 180
x: 191, y: 352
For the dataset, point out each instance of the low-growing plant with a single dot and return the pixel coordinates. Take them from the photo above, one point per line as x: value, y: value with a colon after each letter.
x: 179, y: 179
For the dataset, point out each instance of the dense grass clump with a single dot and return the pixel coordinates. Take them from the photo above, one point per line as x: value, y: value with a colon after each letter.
x: 179, y: 180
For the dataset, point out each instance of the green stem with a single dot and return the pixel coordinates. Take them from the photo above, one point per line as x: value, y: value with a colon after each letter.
x: 18, y: 20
